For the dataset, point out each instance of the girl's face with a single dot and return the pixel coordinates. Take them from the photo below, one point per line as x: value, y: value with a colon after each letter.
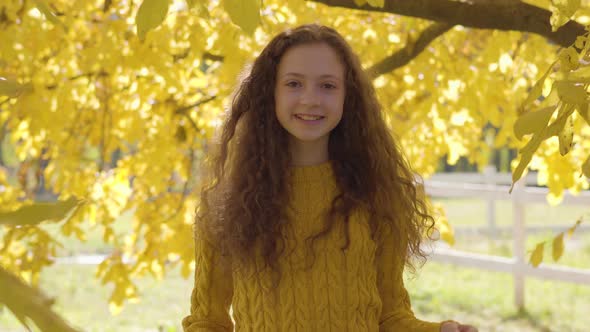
x: 309, y: 92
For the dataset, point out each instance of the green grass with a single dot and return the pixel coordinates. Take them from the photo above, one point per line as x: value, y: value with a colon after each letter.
x: 94, y: 237
x: 485, y: 299
x: 83, y: 301
x: 439, y: 292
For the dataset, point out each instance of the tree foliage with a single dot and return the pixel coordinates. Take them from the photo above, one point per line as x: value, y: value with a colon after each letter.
x: 28, y: 303
x: 118, y: 100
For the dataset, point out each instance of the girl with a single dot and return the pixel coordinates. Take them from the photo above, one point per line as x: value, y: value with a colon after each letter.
x: 313, y: 212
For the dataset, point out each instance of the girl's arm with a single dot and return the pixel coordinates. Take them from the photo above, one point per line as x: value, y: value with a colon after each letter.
x: 396, y: 313
x: 212, y: 293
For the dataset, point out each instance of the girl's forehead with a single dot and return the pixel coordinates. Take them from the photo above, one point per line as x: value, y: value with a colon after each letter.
x: 316, y: 59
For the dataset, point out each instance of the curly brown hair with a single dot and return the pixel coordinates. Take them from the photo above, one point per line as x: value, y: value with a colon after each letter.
x: 245, y: 201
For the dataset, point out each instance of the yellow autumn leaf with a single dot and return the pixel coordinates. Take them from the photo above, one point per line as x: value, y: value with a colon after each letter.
x: 115, y: 308
x: 39, y: 212
x: 108, y: 234
x: 572, y: 229
x: 526, y: 154
x: 49, y: 15
x: 244, y: 13
x: 567, y: 7
x: 577, y: 79
x: 537, y: 255
x: 410, y: 42
x: 557, y: 247
x: 566, y: 136
x: 564, y: 112
x: 150, y: 15
x: 569, y: 59
x: 376, y: 3
x: 446, y: 232
x: 586, y: 168
x: 579, y: 74
x: 562, y: 11
x: 11, y: 88
x: 442, y: 226
x: 538, y: 87
x: 532, y: 122
x: 583, y: 111
x: 570, y: 92
x: 359, y: 3
x: 156, y: 270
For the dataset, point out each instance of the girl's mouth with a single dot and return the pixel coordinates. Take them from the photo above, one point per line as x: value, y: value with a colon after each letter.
x: 309, y: 118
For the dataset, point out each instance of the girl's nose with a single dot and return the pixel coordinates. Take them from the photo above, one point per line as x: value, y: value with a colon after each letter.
x: 310, y: 97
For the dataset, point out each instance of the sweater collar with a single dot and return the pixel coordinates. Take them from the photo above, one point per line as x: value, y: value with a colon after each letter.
x: 312, y: 173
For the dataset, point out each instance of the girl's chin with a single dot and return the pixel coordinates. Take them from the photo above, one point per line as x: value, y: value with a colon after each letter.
x: 307, y: 139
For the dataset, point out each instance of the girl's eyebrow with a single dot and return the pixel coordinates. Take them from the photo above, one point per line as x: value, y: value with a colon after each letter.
x: 320, y: 76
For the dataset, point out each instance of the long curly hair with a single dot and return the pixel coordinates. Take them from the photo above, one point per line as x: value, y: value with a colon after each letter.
x: 243, y: 205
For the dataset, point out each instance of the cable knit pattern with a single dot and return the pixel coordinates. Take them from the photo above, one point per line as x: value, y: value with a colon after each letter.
x: 360, y: 289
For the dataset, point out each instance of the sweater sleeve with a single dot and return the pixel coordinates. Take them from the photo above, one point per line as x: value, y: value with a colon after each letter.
x: 396, y: 313
x: 212, y: 292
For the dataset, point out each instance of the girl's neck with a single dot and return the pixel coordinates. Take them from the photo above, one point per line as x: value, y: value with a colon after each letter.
x: 308, y: 153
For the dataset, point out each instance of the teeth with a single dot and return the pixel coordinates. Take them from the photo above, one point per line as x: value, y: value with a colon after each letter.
x: 308, y: 117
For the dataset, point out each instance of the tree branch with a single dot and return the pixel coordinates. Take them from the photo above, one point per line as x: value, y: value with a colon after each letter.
x: 4, y: 102
x: 212, y: 57
x: 409, y: 52
x: 184, y: 109
x: 495, y: 15
x: 107, y: 5
x: 185, y: 188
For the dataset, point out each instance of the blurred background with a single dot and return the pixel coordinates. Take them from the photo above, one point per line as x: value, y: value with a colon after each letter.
x: 107, y: 109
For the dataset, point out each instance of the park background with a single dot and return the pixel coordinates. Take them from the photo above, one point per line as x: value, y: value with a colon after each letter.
x: 107, y: 109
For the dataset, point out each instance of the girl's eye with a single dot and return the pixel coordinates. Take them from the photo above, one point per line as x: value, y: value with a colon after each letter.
x: 293, y: 84
x: 329, y: 86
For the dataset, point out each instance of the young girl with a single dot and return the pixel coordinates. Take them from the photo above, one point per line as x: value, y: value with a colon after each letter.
x: 313, y: 212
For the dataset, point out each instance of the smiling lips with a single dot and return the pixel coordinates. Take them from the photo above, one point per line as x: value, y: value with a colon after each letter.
x: 308, y: 117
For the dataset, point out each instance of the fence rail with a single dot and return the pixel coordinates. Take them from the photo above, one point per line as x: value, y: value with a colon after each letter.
x: 491, y: 186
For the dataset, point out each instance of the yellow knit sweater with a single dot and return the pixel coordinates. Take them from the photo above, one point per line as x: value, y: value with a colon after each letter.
x: 360, y: 289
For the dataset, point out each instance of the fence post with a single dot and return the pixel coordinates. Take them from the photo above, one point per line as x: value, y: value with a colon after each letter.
x: 489, y: 178
x: 519, y: 236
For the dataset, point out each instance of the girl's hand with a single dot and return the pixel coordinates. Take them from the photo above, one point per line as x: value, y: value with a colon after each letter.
x: 452, y: 326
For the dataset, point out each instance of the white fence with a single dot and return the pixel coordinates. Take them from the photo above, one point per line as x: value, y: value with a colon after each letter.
x: 492, y: 186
